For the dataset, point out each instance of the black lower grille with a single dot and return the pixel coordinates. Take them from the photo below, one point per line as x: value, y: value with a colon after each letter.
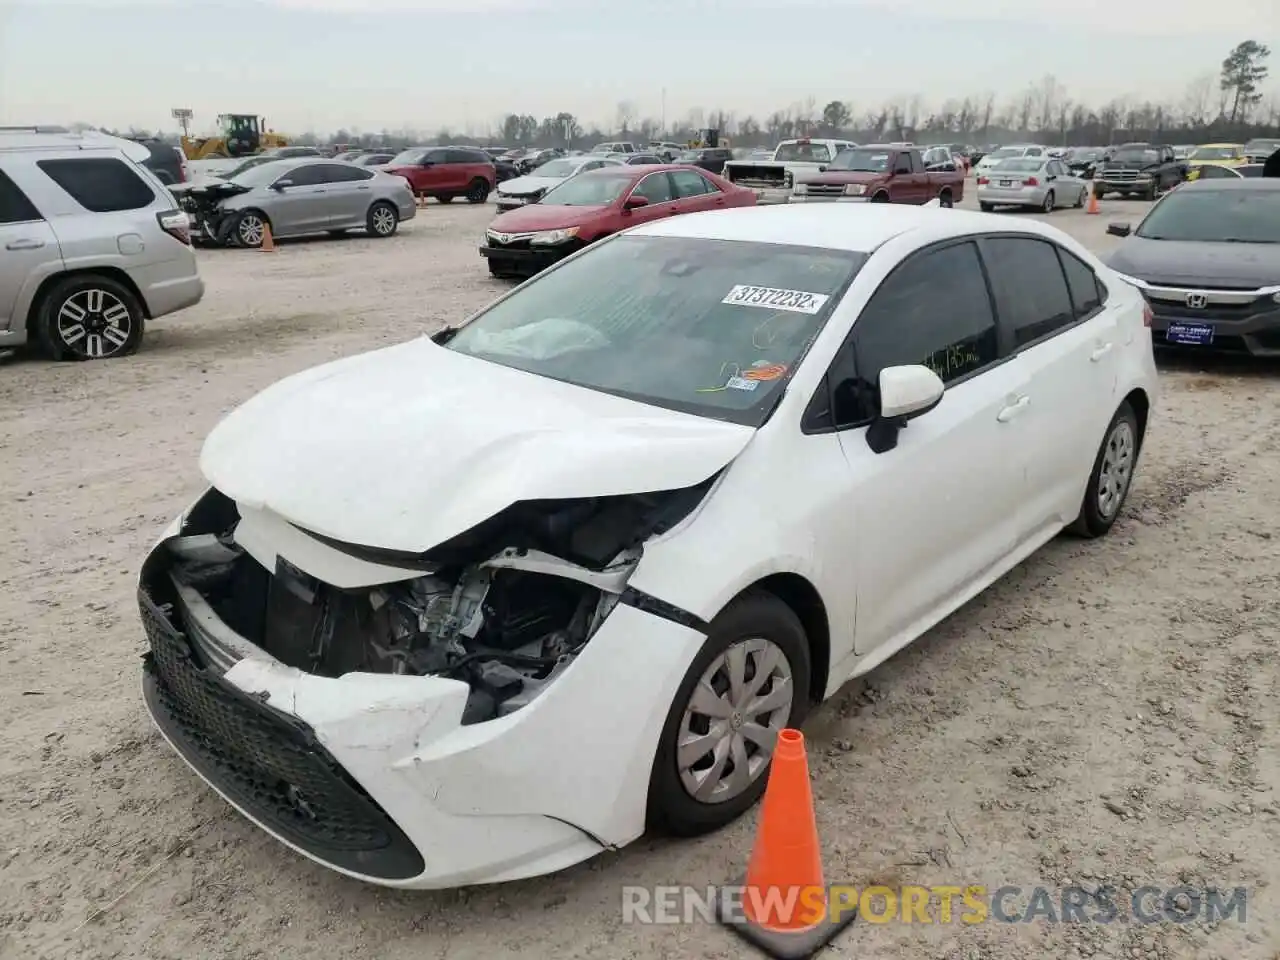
x: 267, y: 763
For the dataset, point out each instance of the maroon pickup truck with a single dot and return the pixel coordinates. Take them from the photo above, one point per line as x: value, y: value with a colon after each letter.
x: 883, y: 174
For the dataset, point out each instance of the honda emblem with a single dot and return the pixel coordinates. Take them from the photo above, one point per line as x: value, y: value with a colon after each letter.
x: 1197, y: 301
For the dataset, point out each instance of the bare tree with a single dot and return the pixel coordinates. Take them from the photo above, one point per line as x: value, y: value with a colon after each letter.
x: 1025, y: 106
x: 1047, y: 95
x: 1197, y: 102
x: 987, y: 112
x: 626, y: 116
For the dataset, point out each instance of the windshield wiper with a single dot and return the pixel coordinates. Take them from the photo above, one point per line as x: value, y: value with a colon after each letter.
x: 1243, y: 240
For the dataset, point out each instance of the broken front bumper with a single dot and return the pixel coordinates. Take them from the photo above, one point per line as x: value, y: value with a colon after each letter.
x: 375, y: 776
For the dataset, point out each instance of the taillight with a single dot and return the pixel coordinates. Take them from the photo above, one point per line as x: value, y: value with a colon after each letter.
x: 983, y: 181
x: 1147, y: 315
x: 1031, y: 182
x: 176, y: 224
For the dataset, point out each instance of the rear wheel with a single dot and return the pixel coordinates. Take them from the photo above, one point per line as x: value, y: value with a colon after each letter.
x: 1048, y: 204
x: 89, y: 317
x: 986, y: 207
x: 478, y: 191
x: 749, y: 681
x: 1111, y: 477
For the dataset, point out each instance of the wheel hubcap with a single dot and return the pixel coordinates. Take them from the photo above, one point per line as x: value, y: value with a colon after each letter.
x: 251, y: 231
x: 383, y: 221
x: 1117, y: 469
x: 1048, y: 202
x: 731, y: 723
x: 94, y: 323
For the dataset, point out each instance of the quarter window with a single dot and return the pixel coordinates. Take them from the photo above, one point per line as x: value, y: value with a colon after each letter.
x: 1087, y: 292
x: 100, y: 184
x: 1031, y: 291
x: 335, y: 173
x: 14, y: 205
x: 933, y: 310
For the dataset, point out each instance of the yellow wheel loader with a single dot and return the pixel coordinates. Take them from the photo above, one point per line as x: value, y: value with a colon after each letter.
x: 240, y: 135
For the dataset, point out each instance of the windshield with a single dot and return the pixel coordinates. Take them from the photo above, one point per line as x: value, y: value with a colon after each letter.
x: 1215, y: 153
x: 592, y: 189
x: 1215, y: 216
x: 862, y: 160
x: 1018, y: 165
x: 247, y: 165
x: 710, y: 327
x: 262, y: 174
x: 1136, y: 155
x: 802, y: 153
x: 1006, y: 152
x: 1261, y: 147
x: 1085, y: 154
x: 408, y: 158
x: 1251, y: 170
x: 557, y: 168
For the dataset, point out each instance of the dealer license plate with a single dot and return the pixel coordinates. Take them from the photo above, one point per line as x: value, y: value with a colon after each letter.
x: 1191, y: 334
x: 1006, y: 183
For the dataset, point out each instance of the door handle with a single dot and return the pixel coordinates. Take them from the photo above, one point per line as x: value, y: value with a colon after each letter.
x: 24, y: 245
x: 1101, y: 352
x: 1013, y: 409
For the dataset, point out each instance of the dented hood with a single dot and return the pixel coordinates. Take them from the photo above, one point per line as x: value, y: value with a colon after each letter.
x: 406, y: 447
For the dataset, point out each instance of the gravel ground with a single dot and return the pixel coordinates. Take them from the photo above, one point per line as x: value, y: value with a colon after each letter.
x: 1109, y: 712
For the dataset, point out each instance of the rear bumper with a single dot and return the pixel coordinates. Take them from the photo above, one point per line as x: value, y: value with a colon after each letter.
x: 169, y: 287
x: 1012, y: 196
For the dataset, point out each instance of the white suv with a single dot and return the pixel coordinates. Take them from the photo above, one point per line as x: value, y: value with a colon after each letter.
x: 93, y: 245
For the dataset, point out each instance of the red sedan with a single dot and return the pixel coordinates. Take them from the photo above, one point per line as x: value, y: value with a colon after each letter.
x: 592, y: 205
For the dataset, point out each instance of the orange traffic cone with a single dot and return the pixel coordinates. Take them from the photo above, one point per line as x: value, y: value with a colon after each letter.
x: 1093, y: 202
x: 268, y: 241
x: 784, y: 909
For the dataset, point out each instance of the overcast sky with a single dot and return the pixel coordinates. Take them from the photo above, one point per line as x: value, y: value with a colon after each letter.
x: 370, y: 64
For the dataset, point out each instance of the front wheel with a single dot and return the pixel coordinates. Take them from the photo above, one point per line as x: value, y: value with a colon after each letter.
x: 382, y: 220
x: 249, y: 229
x: 944, y: 199
x: 749, y: 682
x: 89, y: 317
x: 880, y: 198
x: 1111, y: 477
x: 478, y: 191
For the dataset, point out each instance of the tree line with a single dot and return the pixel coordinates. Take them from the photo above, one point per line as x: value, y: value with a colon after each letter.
x: 1228, y: 107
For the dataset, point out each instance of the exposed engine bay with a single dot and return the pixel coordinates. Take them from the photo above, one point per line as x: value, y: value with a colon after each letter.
x: 504, y: 607
x: 202, y: 204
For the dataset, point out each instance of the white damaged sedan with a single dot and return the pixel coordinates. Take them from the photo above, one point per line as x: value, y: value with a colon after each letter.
x: 481, y: 605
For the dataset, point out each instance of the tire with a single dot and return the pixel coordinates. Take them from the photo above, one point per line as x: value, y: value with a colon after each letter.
x: 986, y: 207
x: 445, y: 197
x: 1080, y: 198
x: 880, y: 198
x: 89, y: 317
x: 247, y: 231
x: 478, y: 191
x: 945, y: 200
x: 1153, y: 192
x: 753, y: 624
x: 382, y: 221
x: 1119, y: 448
x: 1048, y: 205
x: 1098, y: 191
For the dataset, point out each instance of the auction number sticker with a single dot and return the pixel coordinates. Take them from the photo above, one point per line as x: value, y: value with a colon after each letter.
x: 773, y: 298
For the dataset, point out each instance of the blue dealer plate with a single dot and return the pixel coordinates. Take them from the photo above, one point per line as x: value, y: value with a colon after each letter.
x: 1192, y: 334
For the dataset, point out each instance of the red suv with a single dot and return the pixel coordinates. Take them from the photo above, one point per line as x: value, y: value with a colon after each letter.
x: 446, y: 172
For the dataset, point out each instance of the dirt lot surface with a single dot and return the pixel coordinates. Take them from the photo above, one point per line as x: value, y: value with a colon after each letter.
x: 1109, y: 713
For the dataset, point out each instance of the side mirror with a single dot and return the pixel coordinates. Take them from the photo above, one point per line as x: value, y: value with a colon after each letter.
x: 906, y: 392
x: 1119, y: 229
x: 281, y: 184
x: 634, y: 202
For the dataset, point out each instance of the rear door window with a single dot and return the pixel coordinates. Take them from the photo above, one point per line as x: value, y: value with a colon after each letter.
x: 100, y: 184
x: 1087, y: 292
x: 1032, y: 299
x: 14, y: 205
x: 690, y: 184
x: 337, y: 173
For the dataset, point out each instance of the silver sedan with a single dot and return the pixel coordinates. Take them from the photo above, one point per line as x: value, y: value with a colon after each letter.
x: 1033, y: 182
x: 295, y: 198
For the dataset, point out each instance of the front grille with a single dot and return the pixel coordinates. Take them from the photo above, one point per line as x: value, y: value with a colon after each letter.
x: 826, y: 190
x: 1120, y: 176
x: 1213, y: 313
x: 517, y: 244
x: 267, y: 763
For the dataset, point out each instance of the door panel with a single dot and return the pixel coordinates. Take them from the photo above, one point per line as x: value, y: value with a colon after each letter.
x: 27, y: 251
x: 936, y: 513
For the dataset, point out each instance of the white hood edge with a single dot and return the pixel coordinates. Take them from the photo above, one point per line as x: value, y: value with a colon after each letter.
x: 406, y: 447
x: 528, y: 184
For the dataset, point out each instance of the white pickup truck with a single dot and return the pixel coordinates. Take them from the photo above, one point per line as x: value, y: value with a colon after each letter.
x: 794, y: 161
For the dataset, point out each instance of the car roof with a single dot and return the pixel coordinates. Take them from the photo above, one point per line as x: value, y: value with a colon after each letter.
x: 859, y: 229
x: 1239, y: 183
x: 1219, y: 145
